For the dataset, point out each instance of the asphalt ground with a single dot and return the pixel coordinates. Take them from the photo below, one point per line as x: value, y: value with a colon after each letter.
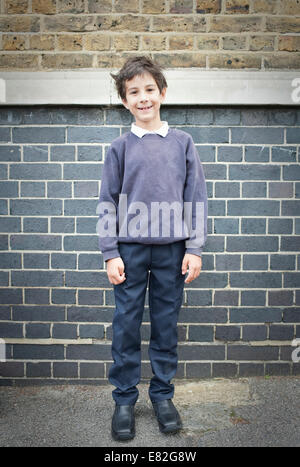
x: 245, y: 412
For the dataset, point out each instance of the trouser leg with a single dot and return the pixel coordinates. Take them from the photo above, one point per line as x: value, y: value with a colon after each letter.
x: 166, y: 284
x: 126, y: 342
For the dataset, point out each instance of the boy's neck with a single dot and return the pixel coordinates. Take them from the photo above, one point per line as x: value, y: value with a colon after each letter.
x: 150, y: 126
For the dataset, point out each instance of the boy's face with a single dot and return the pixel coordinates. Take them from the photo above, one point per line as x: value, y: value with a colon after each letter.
x: 143, y: 99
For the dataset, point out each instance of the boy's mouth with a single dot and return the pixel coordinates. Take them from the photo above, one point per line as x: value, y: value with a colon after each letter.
x: 146, y: 107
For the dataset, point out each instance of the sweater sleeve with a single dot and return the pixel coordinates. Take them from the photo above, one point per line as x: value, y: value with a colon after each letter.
x: 108, y: 206
x: 195, y: 199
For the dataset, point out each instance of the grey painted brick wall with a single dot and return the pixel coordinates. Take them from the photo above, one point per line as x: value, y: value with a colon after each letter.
x: 56, y: 304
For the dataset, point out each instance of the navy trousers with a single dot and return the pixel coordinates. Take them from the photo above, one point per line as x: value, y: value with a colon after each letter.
x: 160, y: 266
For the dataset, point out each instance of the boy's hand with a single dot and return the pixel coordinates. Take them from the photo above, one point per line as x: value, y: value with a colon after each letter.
x: 194, y: 263
x: 115, y: 271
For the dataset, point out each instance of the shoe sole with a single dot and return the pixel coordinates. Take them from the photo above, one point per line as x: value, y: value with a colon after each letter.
x: 169, y: 429
x: 120, y: 437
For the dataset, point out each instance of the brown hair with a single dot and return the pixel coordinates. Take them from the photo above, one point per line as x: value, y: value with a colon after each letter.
x: 138, y: 66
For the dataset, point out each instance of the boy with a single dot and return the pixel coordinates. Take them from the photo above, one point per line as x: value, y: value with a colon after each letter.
x: 150, y: 171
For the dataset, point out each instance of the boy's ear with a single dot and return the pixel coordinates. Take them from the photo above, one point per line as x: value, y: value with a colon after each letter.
x: 124, y: 101
x: 163, y: 93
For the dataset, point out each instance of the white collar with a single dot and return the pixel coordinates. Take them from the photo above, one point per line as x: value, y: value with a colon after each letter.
x: 140, y: 132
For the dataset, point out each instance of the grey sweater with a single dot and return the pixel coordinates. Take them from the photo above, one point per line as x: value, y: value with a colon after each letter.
x: 153, y: 191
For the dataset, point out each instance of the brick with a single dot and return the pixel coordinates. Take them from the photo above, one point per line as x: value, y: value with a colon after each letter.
x: 37, y: 278
x: 65, y: 61
x: 20, y: 23
x: 255, y: 315
x: 253, y: 298
x: 255, y: 262
x: 198, y: 370
x: 257, y: 154
x: 11, y: 330
x: 257, y: 135
x: 289, y: 7
x: 10, y: 260
x: 37, y: 370
x: 35, y: 242
x: 36, y: 260
x: 224, y: 370
x: 37, y: 330
x: 63, y: 261
x: 65, y: 370
x: 153, y: 6
x: 201, y: 352
x: 5, y: 133
x: 91, y: 370
x: 125, y: 42
x: 63, y: 296
x: 35, y: 171
x: 228, y: 333
x: 208, y: 6
x: 252, y: 225
x: 35, y: 224
x: 42, y: 42
x: 88, y: 352
x: 252, y: 243
x: 11, y: 153
x: 62, y: 153
x: 289, y: 43
x: 181, y: 42
x: 131, y: 6
x: 91, y: 331
x: 11, y: 369
x: 277, y: 369
x: 90, y: 297
x: 38, y: 352
x: 199, y: 298
x: 265, y: 6
x: 38, y: 313
x: 237, y: 6
x: 37, y: 296
x: 226, y: 297
x: 179, y: 24
x: 181, y: 6
x: 281, y: 332
x: 255, y: 172
x: 200, y: 333
x: 90, y: 314
x: 281, y: 262
x: 251, y: 369
x: 254, y: 333
x: 264, y: 43
x: 230, y: 154
x: 234, y: 43
x: 92, y: 134
x: 287, y: 62
x: 84, y: 171
x: 244, y: 352
x: 280, y: 226
x: 38, y: 135
x: 234, y: 24
x: 64, y: 331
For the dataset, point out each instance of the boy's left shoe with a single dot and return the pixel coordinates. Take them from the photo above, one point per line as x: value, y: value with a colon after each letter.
x: 167, y: 416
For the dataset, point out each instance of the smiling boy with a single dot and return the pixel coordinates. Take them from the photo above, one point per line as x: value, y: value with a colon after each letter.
x: 156, y: 169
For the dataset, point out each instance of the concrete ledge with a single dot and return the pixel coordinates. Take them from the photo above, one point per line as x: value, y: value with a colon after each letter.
x: 185, y: 87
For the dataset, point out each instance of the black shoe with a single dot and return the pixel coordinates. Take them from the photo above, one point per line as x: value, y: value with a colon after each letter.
x: 167, y: 416
x: 123, y: 423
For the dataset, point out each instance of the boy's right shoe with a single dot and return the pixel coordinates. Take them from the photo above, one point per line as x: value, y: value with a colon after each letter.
x: 123, y: 423
x: 168, y: 418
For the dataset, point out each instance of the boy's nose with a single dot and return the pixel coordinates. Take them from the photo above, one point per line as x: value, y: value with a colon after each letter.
x: 143, y: 98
